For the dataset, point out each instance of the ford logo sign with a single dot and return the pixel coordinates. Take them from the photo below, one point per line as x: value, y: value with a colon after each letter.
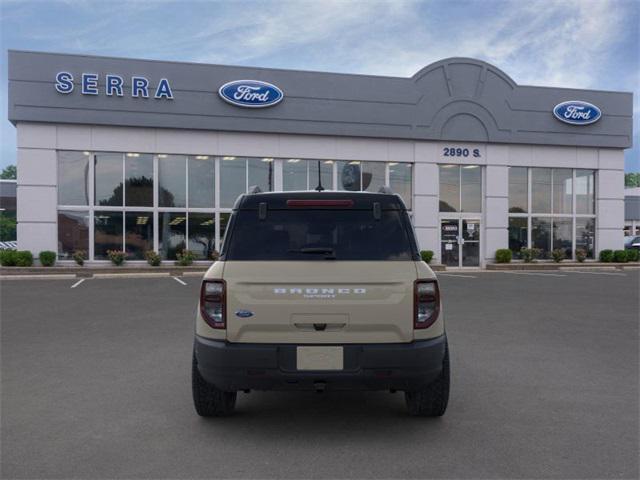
x: 577, y: 112
x: 250, y: 93
x: 244, y: 314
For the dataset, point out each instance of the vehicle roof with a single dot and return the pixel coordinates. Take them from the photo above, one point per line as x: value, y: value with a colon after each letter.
x: 361, y: 200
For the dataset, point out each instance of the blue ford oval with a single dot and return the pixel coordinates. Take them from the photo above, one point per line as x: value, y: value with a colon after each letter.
x: 250, y: 93
x: 244, y: 313
x: 577, y: 112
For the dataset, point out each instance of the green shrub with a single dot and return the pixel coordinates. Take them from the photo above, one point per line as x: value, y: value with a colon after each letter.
x: 503, y: 255
x: 620, y: 256
x: 79, y: 256
x: 24, y: 258
x: 581, y: 254
x: 117, y: 257
x: 426, y: 255
x: 606, y: 256
x: 633, y: 255
x: 185, y: 258
x: 558, y: 255
x: 153, y: 258
x: 47, y: 258
x: 8, y: 258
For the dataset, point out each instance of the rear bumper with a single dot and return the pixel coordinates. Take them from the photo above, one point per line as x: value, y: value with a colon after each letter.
x: 255, y: 366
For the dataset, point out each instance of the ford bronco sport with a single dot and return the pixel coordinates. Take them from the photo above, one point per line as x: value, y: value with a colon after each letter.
x: 320, y: 291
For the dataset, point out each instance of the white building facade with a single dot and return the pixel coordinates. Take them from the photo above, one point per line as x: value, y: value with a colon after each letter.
x: 483, y: 164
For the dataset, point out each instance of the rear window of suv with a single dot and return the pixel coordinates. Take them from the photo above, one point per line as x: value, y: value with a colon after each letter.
x: 303, y: 234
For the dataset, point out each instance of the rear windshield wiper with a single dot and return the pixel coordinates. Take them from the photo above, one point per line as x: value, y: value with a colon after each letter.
x: 328, y: 251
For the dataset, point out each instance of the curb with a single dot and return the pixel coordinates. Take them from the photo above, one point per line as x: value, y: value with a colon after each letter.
x: 561, y: 266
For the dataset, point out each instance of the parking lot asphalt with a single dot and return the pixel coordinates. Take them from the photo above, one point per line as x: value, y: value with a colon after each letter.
x: 96, y: 384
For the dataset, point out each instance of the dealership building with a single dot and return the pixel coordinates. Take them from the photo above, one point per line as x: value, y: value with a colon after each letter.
x: 140, y: 155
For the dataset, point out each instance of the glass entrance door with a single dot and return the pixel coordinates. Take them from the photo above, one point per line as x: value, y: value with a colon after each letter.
x: 470, y: 243
x: 449, y: 245
x: 460, y: 242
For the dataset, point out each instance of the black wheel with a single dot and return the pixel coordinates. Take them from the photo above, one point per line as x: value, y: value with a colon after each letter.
x: 432, y: 400
x: 208, y: 400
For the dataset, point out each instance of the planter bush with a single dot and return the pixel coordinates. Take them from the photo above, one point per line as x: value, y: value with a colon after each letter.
x: 558, y: 255
x: 581, y: 254
x: 185, y: 258
x: 153, y: 258
x: 8, y: 258
x: 426, y: 255
x: 529, y: 254
x: 620, y: 256
x: 633, y: 255
x: 117, y: 257
x: 79, y: 256
x: 503, y: 255
x: 47, y: 258
x: 24, y: 258
x: 606, y: 256
x: 215, y: 255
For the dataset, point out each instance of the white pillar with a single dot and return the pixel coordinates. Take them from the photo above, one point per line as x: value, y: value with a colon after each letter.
x: 37, y: 188
x: 426, y: 188
x: 610, y: 200
x: 496, y: 210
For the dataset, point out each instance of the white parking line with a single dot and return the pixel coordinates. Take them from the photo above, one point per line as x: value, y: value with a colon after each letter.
x: 178, y: 280
x: 598, y: 273
x: 78, y: 283
x: 454, y: 275
x: 536, y: 273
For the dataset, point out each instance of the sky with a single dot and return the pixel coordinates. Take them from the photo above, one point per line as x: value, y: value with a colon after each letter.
x: 560, y: 43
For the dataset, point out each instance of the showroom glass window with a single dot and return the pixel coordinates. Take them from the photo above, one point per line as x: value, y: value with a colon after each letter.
x: 300, y: 174
x: 553, y: 208
x: 73, y: 178
x: 401, y: 181
x: 460, y: 188
x: 357, y: 176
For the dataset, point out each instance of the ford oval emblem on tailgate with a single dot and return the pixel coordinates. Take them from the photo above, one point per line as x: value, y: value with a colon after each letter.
x: 244, y: 314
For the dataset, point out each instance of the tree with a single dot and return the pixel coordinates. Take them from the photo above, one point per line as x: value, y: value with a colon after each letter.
x: 632, y: 180
x: 9, y: 173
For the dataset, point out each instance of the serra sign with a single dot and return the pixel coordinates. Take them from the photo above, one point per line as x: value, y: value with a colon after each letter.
x: 113, y: 85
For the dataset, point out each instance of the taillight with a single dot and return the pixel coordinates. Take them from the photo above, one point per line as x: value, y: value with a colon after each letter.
x: 426, y: 303
x: 213, y: 303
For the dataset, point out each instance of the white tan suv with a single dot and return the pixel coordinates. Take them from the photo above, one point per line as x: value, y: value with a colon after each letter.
x: 320, y: 291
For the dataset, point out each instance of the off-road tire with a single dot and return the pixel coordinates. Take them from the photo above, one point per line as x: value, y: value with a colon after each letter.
x: 208, y: 400
x: 432, y: 400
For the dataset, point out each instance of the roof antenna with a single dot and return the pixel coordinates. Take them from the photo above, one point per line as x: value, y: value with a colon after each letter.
x: 319, y: 188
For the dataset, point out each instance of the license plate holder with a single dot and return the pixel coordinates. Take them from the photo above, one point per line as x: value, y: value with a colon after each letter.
x: 320, y: 358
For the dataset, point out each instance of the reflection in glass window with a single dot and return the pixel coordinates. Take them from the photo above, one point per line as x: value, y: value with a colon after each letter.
x: 172, y: 231
x: 326, y: 174
x: 373, y: 176
x: 201, y: 181
x: 349, y: 176
x: 449, y: 188
x: 202, y: 234
x: 541, y: 190
x: 471, y: 188
x: 261, y: 173
x: 585, y: 191
x: 294, y: 175
x: 518, y: 190
x: 541, y: 235
x: 233, y: 180
x: 138, y: 173
x: 562, y: 190
x: 108, y: 179
x: 585, y: 235
x: 400, y: 181
x: 562, y: 235
x: 73, y: 178
x: 73, y: 233
x: 224, y: 221
x: 138, y: 237
x: 517, y: 235
x: 172, y: 188
x: 107, y: 233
